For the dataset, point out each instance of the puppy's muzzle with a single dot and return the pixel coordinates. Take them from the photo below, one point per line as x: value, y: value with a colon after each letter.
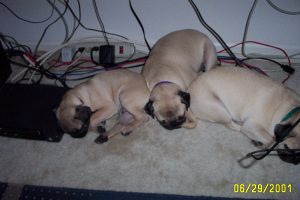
x: 174, y: 124
x: 290, y: 155
x: 82, y: 113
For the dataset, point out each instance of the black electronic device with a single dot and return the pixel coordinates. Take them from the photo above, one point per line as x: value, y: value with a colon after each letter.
x: 107, y: 55
x: 27, y: 111
x: 5, y: 69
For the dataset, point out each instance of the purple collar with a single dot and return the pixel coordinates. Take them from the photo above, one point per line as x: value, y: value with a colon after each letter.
x: 162, y: 82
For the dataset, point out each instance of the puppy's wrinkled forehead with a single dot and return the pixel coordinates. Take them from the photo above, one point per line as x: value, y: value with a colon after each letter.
x: 164, y: 91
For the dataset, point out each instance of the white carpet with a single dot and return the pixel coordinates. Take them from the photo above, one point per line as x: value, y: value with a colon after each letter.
x: 202, y: 161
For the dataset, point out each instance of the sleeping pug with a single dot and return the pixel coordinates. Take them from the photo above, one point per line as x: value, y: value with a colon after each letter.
x: 85, y: 107
x: 248, y: 102
x: 174, y: 61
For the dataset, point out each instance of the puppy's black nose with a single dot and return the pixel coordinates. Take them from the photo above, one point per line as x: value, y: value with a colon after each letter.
x: 83, y: 113
x: 79, y: 133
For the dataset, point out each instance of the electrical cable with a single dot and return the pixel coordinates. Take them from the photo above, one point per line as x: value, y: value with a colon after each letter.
x: 92, y: 29
x: 62, y: 18
x: 254, y: 55
x: 75, y: 27
x: 45, y: 30
x: 214, y: 33
x: 141, y: 25
x: 12, y: 44
x: 100, y: 22
x: 246, y: 29
x: 26, y: 20
x: 281, y: 10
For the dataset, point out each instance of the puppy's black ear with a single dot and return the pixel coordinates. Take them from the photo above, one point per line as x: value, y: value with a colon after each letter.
x: 281, y: 131
x: 149, y: 108
x: 185, y: 98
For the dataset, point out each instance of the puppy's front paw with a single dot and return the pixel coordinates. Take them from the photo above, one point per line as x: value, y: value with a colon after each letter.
x: 101, y: 139
x: 191, y: 121
x: 79, y: 133
x: 101, y: 129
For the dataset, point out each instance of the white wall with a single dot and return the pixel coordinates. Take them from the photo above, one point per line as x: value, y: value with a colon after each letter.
x: 159, y: 17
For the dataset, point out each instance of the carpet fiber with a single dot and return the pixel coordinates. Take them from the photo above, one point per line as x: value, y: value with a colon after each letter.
x: 198, y: 162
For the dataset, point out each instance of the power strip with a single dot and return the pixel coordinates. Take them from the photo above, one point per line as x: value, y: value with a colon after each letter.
x: 122, y: 49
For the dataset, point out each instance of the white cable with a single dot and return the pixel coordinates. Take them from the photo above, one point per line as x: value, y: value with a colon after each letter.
x: 31, y: 64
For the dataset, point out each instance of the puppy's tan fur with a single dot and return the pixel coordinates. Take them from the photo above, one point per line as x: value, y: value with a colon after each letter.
x: 176, y: 58
x: 107, y: 94
x: 245, y: 101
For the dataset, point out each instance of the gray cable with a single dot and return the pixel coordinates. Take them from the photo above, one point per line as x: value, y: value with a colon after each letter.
x: 246, y: 29
x: 62, y: 18
x: 48, y: 26
x: 76, y: 23
x: 100, y: 22
x: 281, y: 10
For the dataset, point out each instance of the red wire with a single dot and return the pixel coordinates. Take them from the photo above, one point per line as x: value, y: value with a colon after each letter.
x: 263, y: 44
x: 247, y: 65
x: 268, y: 45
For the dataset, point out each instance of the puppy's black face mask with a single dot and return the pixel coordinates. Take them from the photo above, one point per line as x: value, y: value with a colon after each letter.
x: 288, y: 155
x: 185, y: 99
x: 82, y: 113
x: 149, y: 108
x: 174, y: 122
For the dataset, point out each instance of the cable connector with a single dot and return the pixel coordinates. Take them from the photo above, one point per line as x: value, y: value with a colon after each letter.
x: 107, y: 55
x: 288, y: 69
x: 81, y: 49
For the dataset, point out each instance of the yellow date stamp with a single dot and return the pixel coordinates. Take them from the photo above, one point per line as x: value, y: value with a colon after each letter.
x: 263, y: 188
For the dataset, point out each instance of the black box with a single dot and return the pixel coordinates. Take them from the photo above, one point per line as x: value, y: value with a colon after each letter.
x: 27, y: 111
x: 5, y: 69
x: 107, y: 55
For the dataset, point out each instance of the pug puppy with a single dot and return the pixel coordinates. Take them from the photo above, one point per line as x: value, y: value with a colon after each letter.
x: 174, y: 61
x: 85, y: 107
x: 248, y: 102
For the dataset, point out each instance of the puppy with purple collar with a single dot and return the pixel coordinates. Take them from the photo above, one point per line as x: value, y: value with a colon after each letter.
x: 174, y: 61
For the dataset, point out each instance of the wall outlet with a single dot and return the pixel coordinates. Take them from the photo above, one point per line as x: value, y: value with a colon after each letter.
x: 67, y: 54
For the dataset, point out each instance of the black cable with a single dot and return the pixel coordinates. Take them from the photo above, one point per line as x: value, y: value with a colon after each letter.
x: 12, y: 44
x: 279, y: 139
x: 281, y: 10
x: 26, y: 20
x: 45, y: 30
x: 62, y: 19
x: 79, y: 50
x: 285, y: 68
x: 79, y: 19
x: 141, y: 25
x: 100, y: 22
x: 92, y: 29
x: 214, y: 33
x: 246, y: 29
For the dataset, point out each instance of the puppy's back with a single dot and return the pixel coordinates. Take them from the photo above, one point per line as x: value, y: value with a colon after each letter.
x: 242, y: 91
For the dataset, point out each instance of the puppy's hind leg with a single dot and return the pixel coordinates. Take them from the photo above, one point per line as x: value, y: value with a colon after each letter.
x: 258, y: 135
x: 208, y: 107
x: 136, y: 119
